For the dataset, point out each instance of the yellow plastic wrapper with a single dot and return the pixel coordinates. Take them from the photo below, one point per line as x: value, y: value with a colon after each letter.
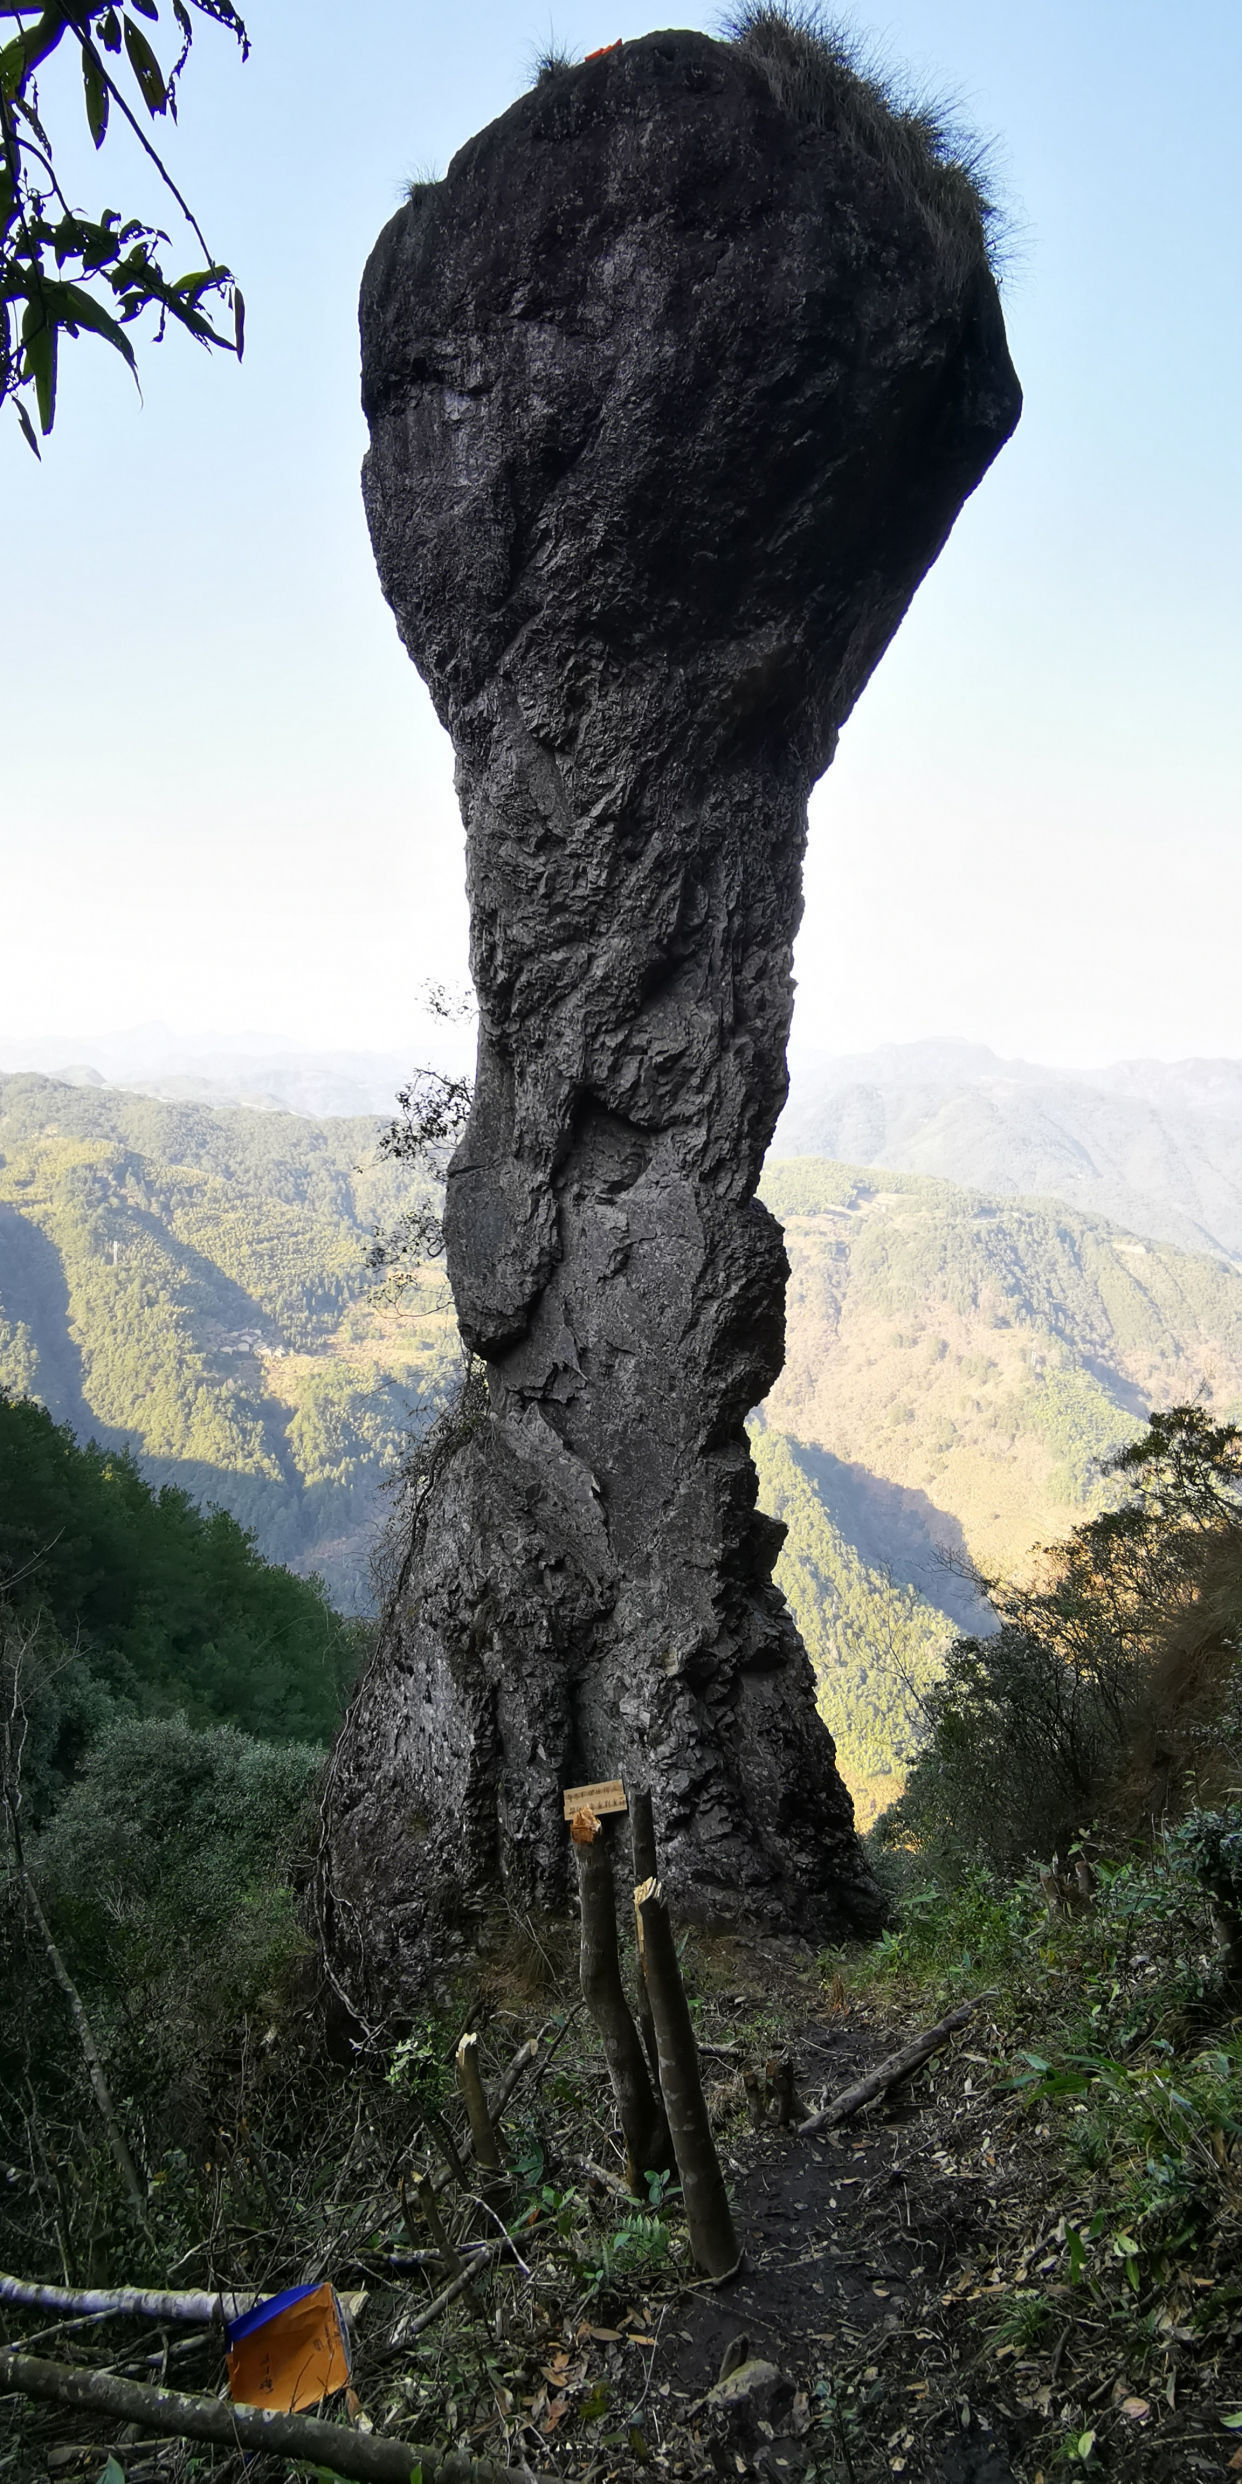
x: 290, y: 2352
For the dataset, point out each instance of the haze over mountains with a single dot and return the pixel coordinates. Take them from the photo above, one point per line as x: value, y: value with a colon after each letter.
x: 1154, y: 1145
x: 260, y: 1071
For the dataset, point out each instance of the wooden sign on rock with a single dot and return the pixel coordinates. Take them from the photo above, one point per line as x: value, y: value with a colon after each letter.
x: 610, y: 1796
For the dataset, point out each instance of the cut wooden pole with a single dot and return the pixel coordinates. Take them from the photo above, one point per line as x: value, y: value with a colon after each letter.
x: 708, y: 2215
x: 482, y: 2132
x: 646, y: 1867
x: 890, y: 2073
x: 361, y: 2457
x: 786, y: 2104
x: 640, y: 2109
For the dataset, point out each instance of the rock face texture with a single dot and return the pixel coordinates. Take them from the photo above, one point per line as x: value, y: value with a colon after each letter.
x: 674, y: 396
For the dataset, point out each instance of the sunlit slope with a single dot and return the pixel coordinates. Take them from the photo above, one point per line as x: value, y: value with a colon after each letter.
x: 193, y: 1283
x: 967, y: 1360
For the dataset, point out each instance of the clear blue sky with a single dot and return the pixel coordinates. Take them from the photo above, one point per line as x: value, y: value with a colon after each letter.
x: 226, y: 802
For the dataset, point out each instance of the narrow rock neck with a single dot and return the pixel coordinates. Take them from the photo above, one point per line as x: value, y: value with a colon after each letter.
x: 634, y: 972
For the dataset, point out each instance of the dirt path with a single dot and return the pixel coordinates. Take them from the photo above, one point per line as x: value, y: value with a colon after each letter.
x: 892, y: 2271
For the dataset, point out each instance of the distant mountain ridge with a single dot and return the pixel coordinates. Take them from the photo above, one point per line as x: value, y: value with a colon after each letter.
x: 258, y: 1071
x: 1154, y: 1146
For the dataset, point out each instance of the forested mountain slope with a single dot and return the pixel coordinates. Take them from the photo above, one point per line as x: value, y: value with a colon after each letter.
x: 975, y: 1357
x: 1155, y: 1146
x: 192, y: 1283
x: 956, y: 1368
x: 117, y: 1600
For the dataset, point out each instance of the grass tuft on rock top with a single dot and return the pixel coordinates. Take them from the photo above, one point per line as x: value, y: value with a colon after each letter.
x: 817, y: 72
x: 550, y: 62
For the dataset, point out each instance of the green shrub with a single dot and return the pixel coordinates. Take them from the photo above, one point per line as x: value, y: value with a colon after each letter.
x: 1212, y: 1844
x: 1111, y: 1686
x: 1017, y: 1742
x: 138, y: 1599
x: 165, y: 1874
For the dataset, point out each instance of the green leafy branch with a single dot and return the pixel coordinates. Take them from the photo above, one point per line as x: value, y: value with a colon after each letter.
x: 66, y: 273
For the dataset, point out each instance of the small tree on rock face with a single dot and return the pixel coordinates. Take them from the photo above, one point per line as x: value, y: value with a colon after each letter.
x: 63, y: 272
x: 433, y: 1111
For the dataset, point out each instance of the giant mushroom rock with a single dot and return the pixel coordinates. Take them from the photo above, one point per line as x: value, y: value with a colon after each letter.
x: 676, y: 384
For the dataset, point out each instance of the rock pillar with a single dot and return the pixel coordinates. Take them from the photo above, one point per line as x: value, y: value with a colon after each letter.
x: 675, y: 390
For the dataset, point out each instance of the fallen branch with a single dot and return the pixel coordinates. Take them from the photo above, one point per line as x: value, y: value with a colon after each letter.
x: 889, y: 2074
x: 361, y: 2457
x: 426, y: 2192
x: 566, y: 2025
x: 141, y: 2302
x: 414, y: 2324
x: 607, y: 2181
x: 505, y: 2085
x: 126, y: 2302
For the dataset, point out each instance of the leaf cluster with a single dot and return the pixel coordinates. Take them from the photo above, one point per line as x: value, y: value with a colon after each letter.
x: 64, y: 272
x: 434, y: 1110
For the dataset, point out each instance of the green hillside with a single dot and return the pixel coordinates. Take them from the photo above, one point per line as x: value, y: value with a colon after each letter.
x: 979, y: 1356
x: 874, y: 1640
x: 192, y: 1284
x: 957, y: 1367
x: 119, y: 1601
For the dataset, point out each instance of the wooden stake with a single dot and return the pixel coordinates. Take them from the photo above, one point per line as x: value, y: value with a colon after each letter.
x: 482, y: 2134
x: 646, y: 1867
x: 787, y: 2105
x: 648, y: 2146
x: 712, y: 2238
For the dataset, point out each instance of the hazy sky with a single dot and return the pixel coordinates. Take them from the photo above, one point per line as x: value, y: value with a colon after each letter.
x: 226, y: 802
